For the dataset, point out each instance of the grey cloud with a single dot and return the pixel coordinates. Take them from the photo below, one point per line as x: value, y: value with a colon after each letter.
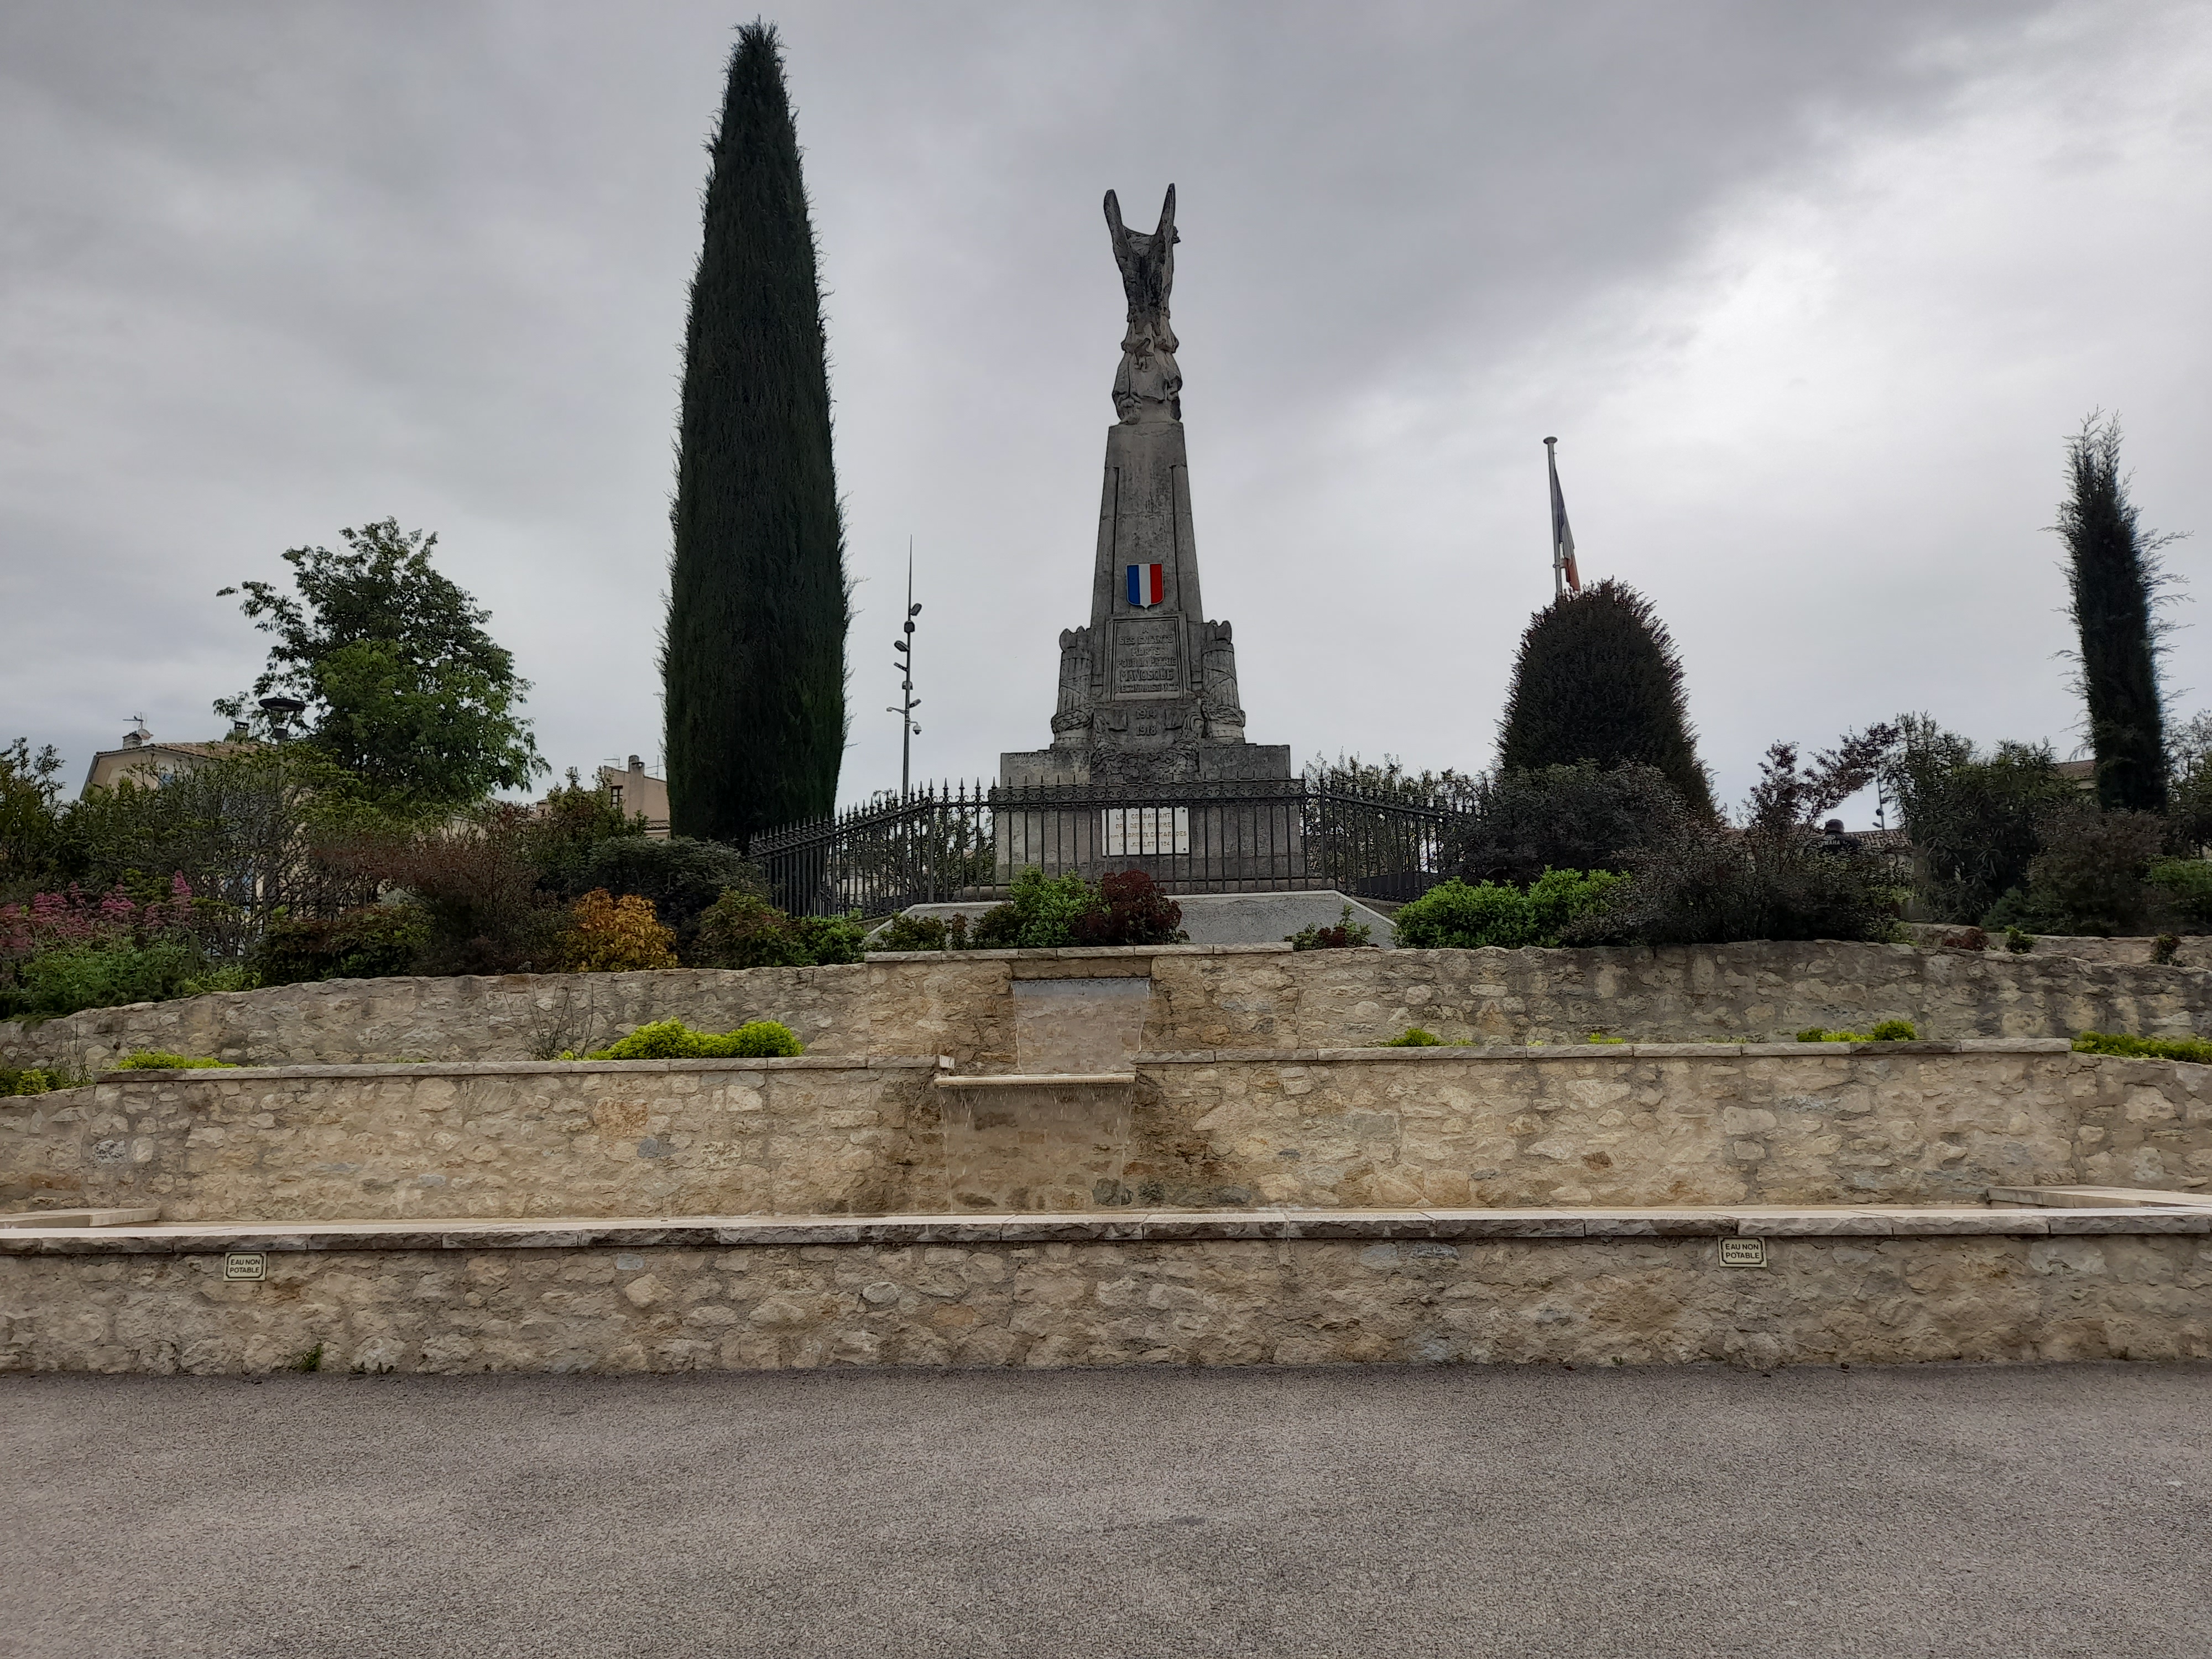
x: 269, y: 272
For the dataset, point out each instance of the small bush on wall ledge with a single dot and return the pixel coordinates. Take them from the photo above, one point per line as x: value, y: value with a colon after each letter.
x: 2194, y: 1050
x: 672, y: 1039
x: 1889, y: 1031
x: 1413, y: 1037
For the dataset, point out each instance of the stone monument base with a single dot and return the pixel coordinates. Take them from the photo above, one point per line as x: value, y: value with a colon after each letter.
x: 1226, y: 762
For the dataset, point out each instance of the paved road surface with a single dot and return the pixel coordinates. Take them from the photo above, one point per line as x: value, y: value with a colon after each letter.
x: 2027, y: 1512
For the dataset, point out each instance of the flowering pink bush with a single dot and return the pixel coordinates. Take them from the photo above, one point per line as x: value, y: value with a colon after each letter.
x: 75, y: 917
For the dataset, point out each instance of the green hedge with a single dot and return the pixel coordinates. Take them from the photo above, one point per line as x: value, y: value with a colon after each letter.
x: 2196, y: 1050
x: 672, y: 1039
x: 1455, y: 915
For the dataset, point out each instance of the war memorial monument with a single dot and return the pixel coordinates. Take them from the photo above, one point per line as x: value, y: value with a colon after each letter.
x: 1147, y: 697
x: 1148, y: 687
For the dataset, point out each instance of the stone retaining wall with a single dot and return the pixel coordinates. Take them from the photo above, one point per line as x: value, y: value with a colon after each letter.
x: 1631, y: 1124
x: 2129, y: 1293
x: 1203, y: 997
x: 1783, y: 1123
x: 642, y: 1137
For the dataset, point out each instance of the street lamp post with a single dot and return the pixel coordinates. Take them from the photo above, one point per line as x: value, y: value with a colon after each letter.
x: 908, y: 701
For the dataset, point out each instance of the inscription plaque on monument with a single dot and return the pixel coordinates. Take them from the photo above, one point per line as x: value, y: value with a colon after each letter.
x: 1147, y: 656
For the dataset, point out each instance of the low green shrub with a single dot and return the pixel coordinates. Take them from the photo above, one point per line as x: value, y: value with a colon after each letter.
x: 2196, y: 1050
x: 149, y: 1060
x: 1345, y: 935
x: 1454, y: 915
x: 373, y: 941
x: 27, y: 1081
x: 672, y: 1039
x: 1040, y: 914
x: 1412, y: 1037
x: 1888, y: 1030
x: 2018, y: 941
x: 743, y: 930
x: 1600, y: 1037
x: 923, y: 933
x: 67, y: 978
x: 2186, y: 886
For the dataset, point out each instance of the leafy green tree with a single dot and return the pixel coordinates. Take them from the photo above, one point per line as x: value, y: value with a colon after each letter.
x: 1974, y: 819
x: 1696, y: 881
x: 1597, y: 679
x: 403, y: 688
x: 2113, y: 575
x: 754, y: 658
x: 2089, y: 876
x: 2188, y: 787
x: 30, y: 837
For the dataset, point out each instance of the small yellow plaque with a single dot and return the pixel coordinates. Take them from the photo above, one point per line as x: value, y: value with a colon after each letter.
x: 252, y: 1265
x: 1743, y: 1253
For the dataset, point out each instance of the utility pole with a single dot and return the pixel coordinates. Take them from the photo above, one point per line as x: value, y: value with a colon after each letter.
x: 908, y: 701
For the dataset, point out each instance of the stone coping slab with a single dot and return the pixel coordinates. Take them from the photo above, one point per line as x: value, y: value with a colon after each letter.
x: 1035, y: 1080
x: 1617, y: 1051
x: 524, y: 1068
x: 49, y: 1219
x: 1109, y: 1227
x: 2099, y: 1198
x: 1516, y: 1052
x: 1062, y: 953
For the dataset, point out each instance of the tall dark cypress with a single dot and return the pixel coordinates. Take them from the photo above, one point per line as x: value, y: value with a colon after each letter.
x: 1597, y: 679
x: 2112, y: 575
x: 754, y: 658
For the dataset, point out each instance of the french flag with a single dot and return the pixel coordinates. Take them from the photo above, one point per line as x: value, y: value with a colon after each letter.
x: 1147, y: 586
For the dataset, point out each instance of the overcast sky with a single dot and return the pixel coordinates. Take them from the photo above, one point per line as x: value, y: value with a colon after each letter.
x: 1810, y: 295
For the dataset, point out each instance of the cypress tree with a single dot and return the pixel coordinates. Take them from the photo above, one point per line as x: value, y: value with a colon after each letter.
x: 1598, y: 680
x: 753, y: 660
x: 2112, y: 577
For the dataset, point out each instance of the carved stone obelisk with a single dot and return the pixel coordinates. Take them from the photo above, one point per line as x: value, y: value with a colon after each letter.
x: 1148, y: 689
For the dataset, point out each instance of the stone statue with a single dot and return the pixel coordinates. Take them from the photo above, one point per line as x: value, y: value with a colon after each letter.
x: 1074, y: 714
x: 1148, y: 386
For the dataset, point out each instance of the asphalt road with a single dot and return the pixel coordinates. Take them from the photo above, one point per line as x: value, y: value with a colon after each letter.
x: 2033, y: 1512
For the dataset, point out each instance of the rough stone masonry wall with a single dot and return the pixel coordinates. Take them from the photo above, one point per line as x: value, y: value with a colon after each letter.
x: 1631, y: 1301
x: 1321, y: 1129
x: 1781, y: 1123
x: 1680, y: 994
x: 1202, y: 998
x: 646, y: 1137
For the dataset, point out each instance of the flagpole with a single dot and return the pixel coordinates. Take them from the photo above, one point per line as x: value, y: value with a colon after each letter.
x: 1558, y: 559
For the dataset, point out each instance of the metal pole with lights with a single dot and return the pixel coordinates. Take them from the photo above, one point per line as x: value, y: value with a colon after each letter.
x: 908, y: 701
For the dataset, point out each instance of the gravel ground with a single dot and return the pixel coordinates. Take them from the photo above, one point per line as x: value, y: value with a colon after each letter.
x: 2040, y: 1510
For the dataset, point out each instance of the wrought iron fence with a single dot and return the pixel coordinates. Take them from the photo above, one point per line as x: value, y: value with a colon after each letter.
x: 963, y: 841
